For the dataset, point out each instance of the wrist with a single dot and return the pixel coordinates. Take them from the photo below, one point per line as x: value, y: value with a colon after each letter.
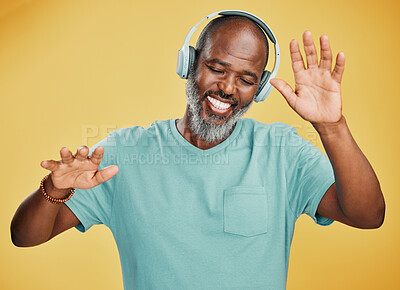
x: 54, y: 191
x: 331, y: 129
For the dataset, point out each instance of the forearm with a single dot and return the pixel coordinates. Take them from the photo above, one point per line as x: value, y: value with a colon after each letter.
x: 34, y: 219
x: 358, y: 190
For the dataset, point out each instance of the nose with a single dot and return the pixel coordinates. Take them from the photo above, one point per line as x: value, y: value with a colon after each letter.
x: 227, y: 85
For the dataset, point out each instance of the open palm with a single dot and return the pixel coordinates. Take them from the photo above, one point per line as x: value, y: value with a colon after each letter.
x: 317, y: 96
x: 79, y: 170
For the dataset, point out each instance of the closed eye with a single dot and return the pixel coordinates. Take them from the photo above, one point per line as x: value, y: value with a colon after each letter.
x: 215, y: 70
x: 247, y: 82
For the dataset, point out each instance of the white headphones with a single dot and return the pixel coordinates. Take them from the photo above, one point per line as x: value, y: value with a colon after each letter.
x: 187, y: 55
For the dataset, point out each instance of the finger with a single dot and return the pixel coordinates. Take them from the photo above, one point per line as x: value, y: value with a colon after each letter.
x: 309, y: 49
x: 286, y: 91
x: 51, y: 165
x: 326, y: 53
x: 66, y: 155
x: 339, y: 67
x: 105, y: 174
x: 297, y: 59
x: 82, y: 153
x: 97, y: 155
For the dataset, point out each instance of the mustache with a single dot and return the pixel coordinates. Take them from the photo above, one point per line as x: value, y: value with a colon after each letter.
x: 222, y: 95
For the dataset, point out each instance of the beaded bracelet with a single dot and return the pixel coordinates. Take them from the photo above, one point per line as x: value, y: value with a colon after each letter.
x: 52, y: 199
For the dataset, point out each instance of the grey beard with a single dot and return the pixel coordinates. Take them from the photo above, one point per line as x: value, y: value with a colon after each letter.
x: 198, y: 126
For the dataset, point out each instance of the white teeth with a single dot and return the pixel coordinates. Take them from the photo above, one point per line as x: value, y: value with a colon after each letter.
x: 218, y: 104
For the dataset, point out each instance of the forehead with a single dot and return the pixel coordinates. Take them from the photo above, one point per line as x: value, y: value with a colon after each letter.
x: 239, y: 44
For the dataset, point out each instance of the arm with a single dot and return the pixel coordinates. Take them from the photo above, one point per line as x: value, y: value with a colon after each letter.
x: 359, y: 197
x: 37, y: 220
x: 355, y: 198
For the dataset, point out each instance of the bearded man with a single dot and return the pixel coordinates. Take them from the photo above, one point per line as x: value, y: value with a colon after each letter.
x: 210, y: 201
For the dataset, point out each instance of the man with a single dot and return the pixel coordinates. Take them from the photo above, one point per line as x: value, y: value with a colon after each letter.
x: 209, y: 201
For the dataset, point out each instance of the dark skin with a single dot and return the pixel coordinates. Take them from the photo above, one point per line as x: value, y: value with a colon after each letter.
x: 231, y: 62
x: 354, y: 199
x: 37, y: 220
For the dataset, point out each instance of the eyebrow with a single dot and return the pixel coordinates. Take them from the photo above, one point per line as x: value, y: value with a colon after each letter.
x: 216, y: 60
x: 246, y: 72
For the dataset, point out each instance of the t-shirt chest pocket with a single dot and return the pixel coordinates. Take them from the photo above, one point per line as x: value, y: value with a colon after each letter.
x: 245, y: 210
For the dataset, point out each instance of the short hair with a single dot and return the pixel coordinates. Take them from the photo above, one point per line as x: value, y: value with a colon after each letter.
x: 216, y: 23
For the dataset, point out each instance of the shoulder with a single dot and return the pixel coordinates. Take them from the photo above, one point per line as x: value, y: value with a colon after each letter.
x: 250, y: 123
x: 277, y: 132
x: 134, y: 134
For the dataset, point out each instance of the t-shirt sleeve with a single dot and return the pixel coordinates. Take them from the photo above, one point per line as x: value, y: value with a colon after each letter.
x: 310, y: 174
x: 93, y: 206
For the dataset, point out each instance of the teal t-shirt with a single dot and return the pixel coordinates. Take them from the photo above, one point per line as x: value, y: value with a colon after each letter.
x: 221, y: 218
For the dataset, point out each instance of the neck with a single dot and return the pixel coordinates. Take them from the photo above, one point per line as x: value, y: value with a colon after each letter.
x: 184, y: 129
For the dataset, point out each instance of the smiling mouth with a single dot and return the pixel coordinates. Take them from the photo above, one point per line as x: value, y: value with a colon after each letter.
x: 217, y: 107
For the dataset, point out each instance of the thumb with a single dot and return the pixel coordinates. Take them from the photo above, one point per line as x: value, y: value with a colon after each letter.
x: 105, y: 174
x: 286, y: 91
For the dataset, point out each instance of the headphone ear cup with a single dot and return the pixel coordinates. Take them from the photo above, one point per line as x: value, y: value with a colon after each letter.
x: 192, y: 57
x: 264, y: 79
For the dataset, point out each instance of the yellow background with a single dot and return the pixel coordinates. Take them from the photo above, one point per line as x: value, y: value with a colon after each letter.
x: 71, y: 71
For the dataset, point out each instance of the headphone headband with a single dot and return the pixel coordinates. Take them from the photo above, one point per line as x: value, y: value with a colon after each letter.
x: 186, y: 54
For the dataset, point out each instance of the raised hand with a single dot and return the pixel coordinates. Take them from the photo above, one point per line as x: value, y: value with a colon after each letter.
x: 317, y: 95
x: 79, y: 170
